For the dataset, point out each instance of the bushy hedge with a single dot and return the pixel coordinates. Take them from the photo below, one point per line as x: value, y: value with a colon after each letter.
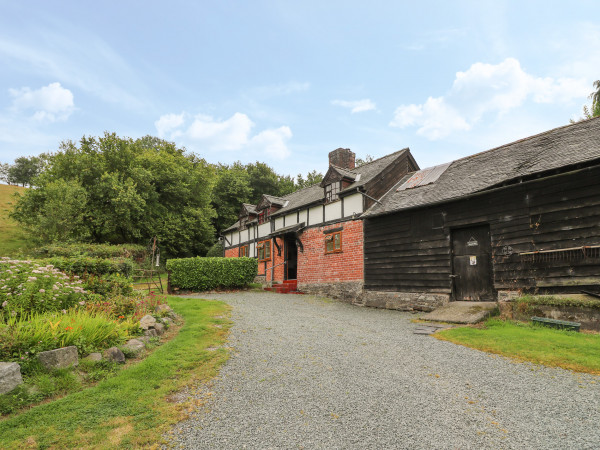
x: 132, y: 251
x: 202, y: 274
x: 81, y: 265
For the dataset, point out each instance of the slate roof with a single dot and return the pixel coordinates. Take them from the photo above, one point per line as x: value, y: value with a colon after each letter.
x: 565, y: 146
x: 315, y: 193
x: 250, y: 208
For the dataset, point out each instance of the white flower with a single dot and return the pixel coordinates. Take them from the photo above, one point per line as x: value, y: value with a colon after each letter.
x: 4, y: 303
x: 42, y: 291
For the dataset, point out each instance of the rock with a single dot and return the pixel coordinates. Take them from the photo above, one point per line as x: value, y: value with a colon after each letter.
x: 165, y: 320
x: 173, y: 315
x: 115, y: 355
x: 10, y: 376
x: 147, y: 322
x: 135, y: 346
x: 162, y: 309
x: 151, y: 332
x: 144, y: 339
x: 94, y: 357
x: 160, y: 328
x: 59, y: 358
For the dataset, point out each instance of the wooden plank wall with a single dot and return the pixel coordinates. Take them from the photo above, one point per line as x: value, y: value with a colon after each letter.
x: 405, y: 253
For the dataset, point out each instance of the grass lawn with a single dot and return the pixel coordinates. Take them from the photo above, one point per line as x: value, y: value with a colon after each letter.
x: 13, y: 238
x: 131, y: 409
x: 523, y: 341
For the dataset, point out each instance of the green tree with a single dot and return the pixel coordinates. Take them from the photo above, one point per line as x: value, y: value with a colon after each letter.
x: 360, y: 161
x: 594, y: 110
x: 130, y: 191
x: 264, y: 180
x: 4, y: 172
x: 231, y: 190
x: 313, y: 177
x: 24, y: 170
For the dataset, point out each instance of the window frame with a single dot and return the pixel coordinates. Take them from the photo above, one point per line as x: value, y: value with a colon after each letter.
x: 331, y: 237
x: 244, y: 251
x: 261, y: 246
x: 332, y: 191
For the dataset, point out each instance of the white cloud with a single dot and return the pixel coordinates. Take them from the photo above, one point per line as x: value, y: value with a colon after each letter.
x: 356, y: 106
x: 205, y: 133
x: 485, y: 89
x: 49, y: 103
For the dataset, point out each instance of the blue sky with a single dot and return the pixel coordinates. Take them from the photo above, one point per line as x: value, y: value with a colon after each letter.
x: 287, y: 82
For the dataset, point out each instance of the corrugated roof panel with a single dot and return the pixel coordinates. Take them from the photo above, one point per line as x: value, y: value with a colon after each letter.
x: 424, y: 177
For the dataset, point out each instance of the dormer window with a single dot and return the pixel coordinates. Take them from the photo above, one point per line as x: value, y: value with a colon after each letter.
x: 331, y: 191
x: 263, y: 216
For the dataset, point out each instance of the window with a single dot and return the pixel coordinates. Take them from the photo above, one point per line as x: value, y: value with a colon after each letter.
x: 264, y: 250
x: 244, y: 251
x: 333, y: 242
x: 331, y: 191
x: 263, y: 216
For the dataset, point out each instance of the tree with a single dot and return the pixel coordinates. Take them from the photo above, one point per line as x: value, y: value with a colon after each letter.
x: 4, y: 172
x: 313, y: 177
x: 123, y: 191
x: 264, y: 180
x: 231, y: 190
x: 594, y: 110
x: 360, y: 161
x: 24, y: 170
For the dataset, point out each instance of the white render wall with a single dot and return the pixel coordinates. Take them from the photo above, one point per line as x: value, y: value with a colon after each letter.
x: 353, y: 204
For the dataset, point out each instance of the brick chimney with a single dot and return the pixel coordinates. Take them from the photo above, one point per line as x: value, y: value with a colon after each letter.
x: 342, y: 157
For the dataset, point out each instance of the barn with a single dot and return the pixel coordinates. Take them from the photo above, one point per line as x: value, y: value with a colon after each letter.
x: 523, y: 217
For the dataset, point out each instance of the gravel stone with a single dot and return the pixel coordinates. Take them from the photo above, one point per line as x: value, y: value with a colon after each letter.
x: 312, y: 373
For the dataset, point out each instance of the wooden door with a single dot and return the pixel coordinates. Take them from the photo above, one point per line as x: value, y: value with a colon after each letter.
x: 471, y: 264
x: 291, y: 258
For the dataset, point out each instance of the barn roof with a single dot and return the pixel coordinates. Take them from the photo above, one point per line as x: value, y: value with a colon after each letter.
x: 562, y: 147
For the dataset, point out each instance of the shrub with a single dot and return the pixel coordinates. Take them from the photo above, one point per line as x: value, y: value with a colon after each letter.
x: 215, y: 251
x: 203, y: 274
x: 26, y: 287
x: 120, y: 307
x: 21, y: 338
x: 130, y: 251
x: 82, y: 265
x: 108, y: 285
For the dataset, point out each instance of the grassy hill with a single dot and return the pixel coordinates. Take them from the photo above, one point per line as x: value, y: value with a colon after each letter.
x: 12, y: 238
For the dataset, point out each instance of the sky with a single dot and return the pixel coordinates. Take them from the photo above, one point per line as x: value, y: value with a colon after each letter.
x: 286, y: 82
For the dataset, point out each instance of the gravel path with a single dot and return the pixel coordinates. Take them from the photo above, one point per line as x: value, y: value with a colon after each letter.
x: 310, y: 373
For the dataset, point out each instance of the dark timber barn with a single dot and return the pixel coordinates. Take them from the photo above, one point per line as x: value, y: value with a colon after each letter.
x: 524, y: 217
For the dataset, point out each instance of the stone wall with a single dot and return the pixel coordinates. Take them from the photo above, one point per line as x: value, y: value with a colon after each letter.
x: 347, y: 291
x: 589, y: 318
x: 403, y: 301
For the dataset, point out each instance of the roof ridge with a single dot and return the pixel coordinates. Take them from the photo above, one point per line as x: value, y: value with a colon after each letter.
x: 380, y: 158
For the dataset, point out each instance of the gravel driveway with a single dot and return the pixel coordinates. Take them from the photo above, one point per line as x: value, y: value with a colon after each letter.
x: 312, y: 373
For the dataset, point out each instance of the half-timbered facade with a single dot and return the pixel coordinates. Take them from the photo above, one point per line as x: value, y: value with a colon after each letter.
x: 315, y: 235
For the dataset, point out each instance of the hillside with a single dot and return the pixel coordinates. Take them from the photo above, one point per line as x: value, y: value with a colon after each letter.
x: 11, y: 237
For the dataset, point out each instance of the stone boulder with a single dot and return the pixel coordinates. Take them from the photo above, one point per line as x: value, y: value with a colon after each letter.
x: 160, y: 328
x: 165, y: 320
x: 10, y: 376
x: 135, y: 346
x: 115, y: 355
x: 163, y: 309
x: 147, y: 322
x: 95, y: 357
x: 59, y: 358
x: 150, y: 332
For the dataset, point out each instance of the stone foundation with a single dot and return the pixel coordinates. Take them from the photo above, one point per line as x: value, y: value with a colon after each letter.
x: 507, y: 296
x: 589, y: 318
x: 347, y: 291
x: 403, y: 301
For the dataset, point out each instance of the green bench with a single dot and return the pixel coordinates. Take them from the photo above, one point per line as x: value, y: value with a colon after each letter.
x: 555, y: 323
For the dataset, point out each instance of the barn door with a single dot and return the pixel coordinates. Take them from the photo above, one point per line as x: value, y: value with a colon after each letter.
x: 471, y: 263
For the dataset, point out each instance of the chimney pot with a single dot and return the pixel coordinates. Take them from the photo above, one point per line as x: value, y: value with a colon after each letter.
x: 342, y: 157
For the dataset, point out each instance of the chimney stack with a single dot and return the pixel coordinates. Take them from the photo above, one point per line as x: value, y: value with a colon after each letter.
x: 342, y: 157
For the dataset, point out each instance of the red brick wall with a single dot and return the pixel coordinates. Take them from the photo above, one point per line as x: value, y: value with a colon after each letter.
x: 232, y: 252
x: 314, y: 266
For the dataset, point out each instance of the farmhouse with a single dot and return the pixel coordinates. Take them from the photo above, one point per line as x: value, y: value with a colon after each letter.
x: 313, y: 238
x: 523, y: 217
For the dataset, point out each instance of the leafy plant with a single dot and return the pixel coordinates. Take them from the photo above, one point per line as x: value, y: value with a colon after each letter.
x: 210, y: 273
x: 104, y: 251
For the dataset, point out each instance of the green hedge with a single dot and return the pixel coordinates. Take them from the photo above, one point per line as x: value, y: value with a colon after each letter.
x: 202, y: 274
x: 133, y: 251
x: 82, y: 265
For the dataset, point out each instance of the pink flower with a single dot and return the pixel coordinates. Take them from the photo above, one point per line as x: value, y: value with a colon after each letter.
x: 42, y: 290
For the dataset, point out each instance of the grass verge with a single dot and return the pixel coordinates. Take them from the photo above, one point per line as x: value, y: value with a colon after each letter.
x: 130, y: 409
x: 13, y: 238
x: 526, y: 342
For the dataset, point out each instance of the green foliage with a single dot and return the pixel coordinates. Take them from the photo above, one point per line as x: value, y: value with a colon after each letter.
x: 522, y: 303
x: 23, y: 171
x: 108, y: 285
x: 201, y: 274
x: 117, y: 190
x: 594, y: 109
x: 313, y: 177
x: 105, y: 251
x: 136, y: 396
x: 231, y: 190
x: 23, y: 337
x: 264, y: 180
x: 12, y: 237
x: 26, y: 286
x: 120, y: 307
x: 216, y: 251
x: 82, y: 265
